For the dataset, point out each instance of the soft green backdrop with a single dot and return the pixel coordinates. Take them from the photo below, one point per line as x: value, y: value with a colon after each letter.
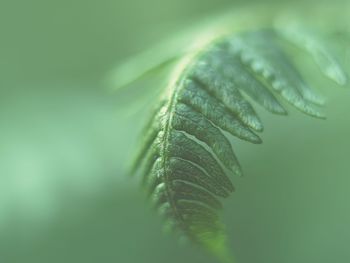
x: 64, y: 144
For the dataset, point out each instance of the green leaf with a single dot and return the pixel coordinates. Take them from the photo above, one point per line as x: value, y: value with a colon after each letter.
x: 186, y: 158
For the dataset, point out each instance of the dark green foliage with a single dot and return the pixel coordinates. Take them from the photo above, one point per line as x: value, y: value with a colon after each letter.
x: 185, y: 156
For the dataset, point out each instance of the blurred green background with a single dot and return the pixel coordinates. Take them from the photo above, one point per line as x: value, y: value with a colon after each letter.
x: 65, y: 143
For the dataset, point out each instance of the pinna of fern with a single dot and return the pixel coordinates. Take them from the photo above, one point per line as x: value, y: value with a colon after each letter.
x: 185, y: 158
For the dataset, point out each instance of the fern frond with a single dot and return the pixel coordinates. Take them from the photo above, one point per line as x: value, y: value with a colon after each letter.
x: 186, y: 157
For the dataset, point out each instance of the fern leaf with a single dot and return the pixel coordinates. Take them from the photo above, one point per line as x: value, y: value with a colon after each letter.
x: 186, y: 157
x: 312, y: 43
